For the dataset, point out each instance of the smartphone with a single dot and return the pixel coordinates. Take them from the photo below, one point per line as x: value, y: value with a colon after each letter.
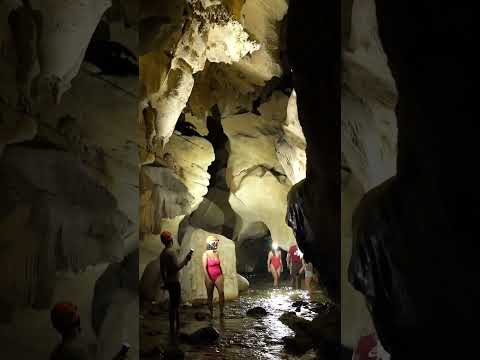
x: 124, y: 349
x: 190, y: 252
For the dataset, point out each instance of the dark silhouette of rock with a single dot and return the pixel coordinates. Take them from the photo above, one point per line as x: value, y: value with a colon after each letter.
x: 206, y: 335
x: 186, y: 128
x: 299, y: 303
x: 257, y: 312
x: 297, y: 324
x: 112, y: 58
x: 297, y: 344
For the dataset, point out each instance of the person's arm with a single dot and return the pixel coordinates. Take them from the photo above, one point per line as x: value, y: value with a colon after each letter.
x: 288, y: 260
x: 204, y: 265
x: 268, y: 260
x: 183, y: 263
x: 302, y: 269
x: 162, y: 270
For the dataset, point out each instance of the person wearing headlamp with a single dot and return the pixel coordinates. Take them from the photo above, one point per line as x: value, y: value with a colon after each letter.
x: 212, y: 270
x: 274, y: 263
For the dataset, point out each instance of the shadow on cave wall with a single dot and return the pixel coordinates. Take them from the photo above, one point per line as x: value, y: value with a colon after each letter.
x: 215, y: 213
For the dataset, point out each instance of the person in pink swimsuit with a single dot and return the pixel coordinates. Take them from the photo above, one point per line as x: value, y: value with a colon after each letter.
x: 274, y: 264
x: 213, y: 274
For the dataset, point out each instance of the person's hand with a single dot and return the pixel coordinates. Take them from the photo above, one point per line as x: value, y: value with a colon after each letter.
x: 208, y: 281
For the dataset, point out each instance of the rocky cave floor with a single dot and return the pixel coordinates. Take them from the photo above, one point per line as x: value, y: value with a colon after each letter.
x: 240, y: 336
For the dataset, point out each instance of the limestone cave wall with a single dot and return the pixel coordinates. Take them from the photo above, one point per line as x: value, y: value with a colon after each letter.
x: 68, y: 171
x: 218, y: 111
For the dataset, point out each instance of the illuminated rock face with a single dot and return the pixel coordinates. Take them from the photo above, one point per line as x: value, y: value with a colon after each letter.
x: 290, y: 147
x: 210, y: 35
x: 258, y: 185
x: 192, y: 157
x: 192, y: 276
x: 262, y: 19
x: 163, y: 195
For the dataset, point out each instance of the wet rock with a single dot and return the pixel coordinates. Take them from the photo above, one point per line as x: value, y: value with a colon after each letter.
x: 298, y: 309
x: 257, y: 311
x: 297, y: 344
x: 299, y: 303
x: 322, y: 307
x: 206, y: 335
x: 326, y: 326
x: 297, y: 324
x: 201, y: 316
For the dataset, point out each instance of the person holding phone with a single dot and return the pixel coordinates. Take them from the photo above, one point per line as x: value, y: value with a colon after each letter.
x: 213, y: 273
x: 169, y: 268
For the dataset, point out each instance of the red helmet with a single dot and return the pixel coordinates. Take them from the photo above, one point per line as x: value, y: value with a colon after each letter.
x: 65, y: 317
x: 166, y: 236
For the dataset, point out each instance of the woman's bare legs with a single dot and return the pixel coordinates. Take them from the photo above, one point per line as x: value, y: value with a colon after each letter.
x: 274, y: 273
x: 210, y: 287
x: 219, y: 284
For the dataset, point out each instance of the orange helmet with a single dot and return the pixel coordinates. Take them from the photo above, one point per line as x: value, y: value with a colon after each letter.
x: 166, y: 236
x: 65, y: 317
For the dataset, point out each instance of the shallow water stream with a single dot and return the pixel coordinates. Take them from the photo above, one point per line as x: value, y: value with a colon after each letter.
x: 241, y: 337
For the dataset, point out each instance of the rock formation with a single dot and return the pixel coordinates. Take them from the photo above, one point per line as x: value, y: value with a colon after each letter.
x: 69, y: 173
x: 209, y: 34
x: 369, y: 141
x: 431, y: 203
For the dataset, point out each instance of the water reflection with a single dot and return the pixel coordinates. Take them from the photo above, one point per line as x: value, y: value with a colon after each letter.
x: 243, y: 337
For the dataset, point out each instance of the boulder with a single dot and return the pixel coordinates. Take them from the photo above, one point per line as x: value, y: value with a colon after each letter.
x: 243, y: 283
x: 204, y: 336
x: 257, y: 312
x: 150, y: 282
x: 300, y: 325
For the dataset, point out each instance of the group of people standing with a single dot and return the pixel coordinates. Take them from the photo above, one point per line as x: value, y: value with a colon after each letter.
x: 213, y: 273
x: 295, y: 264
x: 169, y: 272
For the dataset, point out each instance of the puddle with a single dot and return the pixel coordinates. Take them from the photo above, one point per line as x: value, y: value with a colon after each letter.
x: 241, y: 337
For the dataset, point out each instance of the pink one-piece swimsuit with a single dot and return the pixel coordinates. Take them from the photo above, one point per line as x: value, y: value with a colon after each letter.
x: 213, y: 269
